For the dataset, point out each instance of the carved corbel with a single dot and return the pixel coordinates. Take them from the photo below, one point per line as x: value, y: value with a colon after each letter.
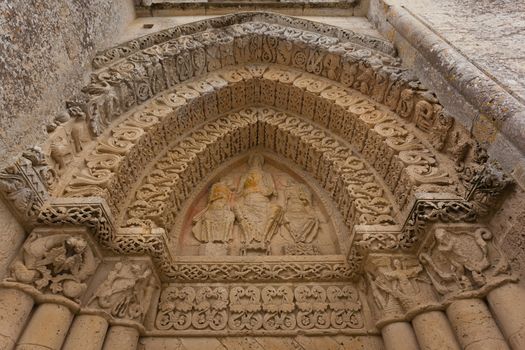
x: 463, y: 260
x: 55, y: 263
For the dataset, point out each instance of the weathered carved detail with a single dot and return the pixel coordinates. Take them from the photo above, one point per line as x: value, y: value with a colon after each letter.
x: 398, y: 285
x: 57, y: 264
x: 234, y: 24
x: 284, y: 271
x: 25, y: 185
x: 179, y: 171
x: 126, y: 292
x: 461, y: 259
x: 272, y: 308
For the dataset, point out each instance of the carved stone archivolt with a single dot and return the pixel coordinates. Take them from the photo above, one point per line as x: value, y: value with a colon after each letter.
x: 271, y: 171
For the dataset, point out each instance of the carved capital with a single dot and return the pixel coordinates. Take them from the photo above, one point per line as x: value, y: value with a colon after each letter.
x: 399, y: 287
x: 56, y: 261
x: 126, y: 291
x: 463, y: 260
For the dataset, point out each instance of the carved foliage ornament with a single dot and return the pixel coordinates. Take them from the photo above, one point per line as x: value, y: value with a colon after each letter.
x: 57, y: 264
x: 255, y: 308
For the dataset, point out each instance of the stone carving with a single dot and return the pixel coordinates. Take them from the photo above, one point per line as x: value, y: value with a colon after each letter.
x: 58, y: 264
x: 126, y: 292
x: 398, y: 284
x: 25, y: 184
x: 284, y: 271
x: 215, y: 222
x: 462, y: 260
x: 269, y: 308
x: 258, y: 218
x: 386, y: 133
x: 178, y: 172
x: 300, y: 221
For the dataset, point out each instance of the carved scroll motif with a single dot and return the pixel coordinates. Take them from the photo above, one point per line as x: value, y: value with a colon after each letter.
x: 270, y: 308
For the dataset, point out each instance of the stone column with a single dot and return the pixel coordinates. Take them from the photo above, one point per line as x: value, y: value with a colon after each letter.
x: 399, y: 336
x: 15, y: 307
x: 433, y: 332
x: 475, y: 328
x: 508, y: 305
x: 47, y: 328
x: 87, y: 333
x: 121, y: 338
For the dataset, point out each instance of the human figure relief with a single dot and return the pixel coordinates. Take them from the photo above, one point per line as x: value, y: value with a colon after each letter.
x: 300, y: 220
x: 215, y: 222
x: 59, y: 264
x: 461, y: 259
x: 124, y: 293
x: 257, y: 216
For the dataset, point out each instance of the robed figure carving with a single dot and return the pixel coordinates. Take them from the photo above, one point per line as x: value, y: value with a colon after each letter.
x: 300, y: 221
x: 215, y: 222
x: 257, y: 216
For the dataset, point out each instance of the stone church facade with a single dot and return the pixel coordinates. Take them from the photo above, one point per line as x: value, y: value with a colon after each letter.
x: 264, y: 181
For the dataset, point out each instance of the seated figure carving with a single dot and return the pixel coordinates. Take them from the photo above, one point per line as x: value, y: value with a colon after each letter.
x: 300, y: 221
x: 215, y: 222
x: 259, y: 219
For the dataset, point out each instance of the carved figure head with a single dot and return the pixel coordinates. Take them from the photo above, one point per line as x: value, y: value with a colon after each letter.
x: 255, y: 160
x: 78, y: 245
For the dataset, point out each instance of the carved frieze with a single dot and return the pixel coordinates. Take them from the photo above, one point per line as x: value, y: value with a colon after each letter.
x: 257, y: 308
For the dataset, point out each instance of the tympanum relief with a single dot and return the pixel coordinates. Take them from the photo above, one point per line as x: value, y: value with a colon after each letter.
x: 259, y: 209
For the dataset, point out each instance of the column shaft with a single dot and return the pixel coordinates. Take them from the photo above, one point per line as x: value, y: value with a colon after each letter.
x: 433, y: 332
x: 15, y: 307
x: 86, y: 333
x: 399, y: 336
x: 508, y: 305
x: 121, y: 338
x: 475, y: 328
x: 47, y: 328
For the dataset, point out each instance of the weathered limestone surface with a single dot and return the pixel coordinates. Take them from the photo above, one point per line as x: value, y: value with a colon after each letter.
x: 47, y: 49
x: 11, y: 235
x: 15, y: 307
x: 474, y: 326
x: 264, y: 343
x: 399, y: 336
x: 87, y: 332
x: 47, y: 328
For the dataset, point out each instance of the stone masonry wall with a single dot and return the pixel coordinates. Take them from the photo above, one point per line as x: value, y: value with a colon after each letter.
x: 46, y: 50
